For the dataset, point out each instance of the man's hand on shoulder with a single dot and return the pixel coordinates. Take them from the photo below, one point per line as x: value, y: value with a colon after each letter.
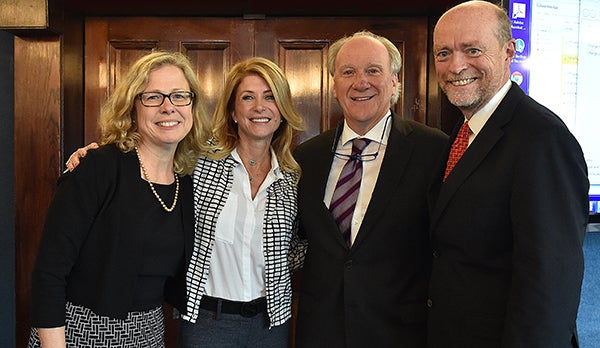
x: 76, y: 156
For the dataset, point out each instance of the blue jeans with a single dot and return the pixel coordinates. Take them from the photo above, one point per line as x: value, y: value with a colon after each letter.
x: 232, y: 331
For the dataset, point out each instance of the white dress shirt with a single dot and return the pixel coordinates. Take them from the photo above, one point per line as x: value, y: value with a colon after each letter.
x: 370, y: 172
x: 479, y: 118
x: 237, y: 266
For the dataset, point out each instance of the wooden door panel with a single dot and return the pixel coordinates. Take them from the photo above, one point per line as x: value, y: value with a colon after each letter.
x: 302, y: 63
x: 123, y: 54
x: 211, y: 62
x: 119, y: 57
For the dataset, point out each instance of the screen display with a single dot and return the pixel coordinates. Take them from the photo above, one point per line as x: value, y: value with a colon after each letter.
x: 557, y: 63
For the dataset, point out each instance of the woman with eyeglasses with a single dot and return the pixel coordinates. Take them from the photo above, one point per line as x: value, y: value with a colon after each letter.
x: 119, y: 232
x: 245, y: 184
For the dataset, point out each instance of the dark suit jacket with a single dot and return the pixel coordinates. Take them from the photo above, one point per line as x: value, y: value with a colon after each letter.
x: 507, y: 234
x: 373, y: 294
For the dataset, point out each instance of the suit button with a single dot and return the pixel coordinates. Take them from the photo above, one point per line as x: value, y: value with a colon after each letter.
x: 429, y: 303
x: 348, y: 264
x: 436, y: 254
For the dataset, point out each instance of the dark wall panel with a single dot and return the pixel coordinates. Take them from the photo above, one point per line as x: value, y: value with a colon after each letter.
x: 7, y: 203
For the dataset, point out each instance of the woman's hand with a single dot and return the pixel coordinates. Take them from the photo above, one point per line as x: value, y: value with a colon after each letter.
x: 81, y: 152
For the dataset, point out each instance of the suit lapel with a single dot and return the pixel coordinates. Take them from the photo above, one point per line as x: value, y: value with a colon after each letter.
x: 315, y: 182
x: 320, y: 167
x: 485, y: 141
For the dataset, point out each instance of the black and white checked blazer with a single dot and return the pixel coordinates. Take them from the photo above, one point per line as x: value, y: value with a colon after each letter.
x: 212, y: 183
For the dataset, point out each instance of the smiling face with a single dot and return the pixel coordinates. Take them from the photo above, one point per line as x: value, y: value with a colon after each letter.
x: 255, y: 110
x: 470, y: 62
x: 165, y: 125
x: 363, y: 82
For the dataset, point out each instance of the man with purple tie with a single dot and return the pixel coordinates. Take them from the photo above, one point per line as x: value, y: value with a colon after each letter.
x: 371, y: 288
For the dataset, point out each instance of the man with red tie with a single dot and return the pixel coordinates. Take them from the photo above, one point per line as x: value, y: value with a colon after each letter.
x: 508, y: 226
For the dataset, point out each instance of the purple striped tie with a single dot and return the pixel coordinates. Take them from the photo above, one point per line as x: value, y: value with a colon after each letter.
x: 346, y: 189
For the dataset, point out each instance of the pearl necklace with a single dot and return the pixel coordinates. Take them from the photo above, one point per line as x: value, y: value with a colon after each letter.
x: 154, y: 190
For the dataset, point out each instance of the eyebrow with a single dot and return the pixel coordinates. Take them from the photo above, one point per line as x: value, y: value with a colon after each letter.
x: 259, y: 92
x: 173, y: 90
x: 471, y: 44
x: 379, y: 65
x: 462, y: 46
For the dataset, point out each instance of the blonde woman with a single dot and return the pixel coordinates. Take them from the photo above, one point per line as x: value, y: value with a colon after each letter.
x: 239, y: 283
x: 119, y: 232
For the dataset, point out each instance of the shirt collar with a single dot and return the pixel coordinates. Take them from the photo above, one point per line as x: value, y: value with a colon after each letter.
x: 479, y: 119
x: 374, y: 134
x: 276, y: 170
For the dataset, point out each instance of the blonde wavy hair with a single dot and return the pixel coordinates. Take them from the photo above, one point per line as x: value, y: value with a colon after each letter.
x: 224, y: 137
x: 118, y: 116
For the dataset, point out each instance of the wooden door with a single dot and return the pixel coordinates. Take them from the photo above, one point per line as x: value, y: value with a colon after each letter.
x: 298, y: 45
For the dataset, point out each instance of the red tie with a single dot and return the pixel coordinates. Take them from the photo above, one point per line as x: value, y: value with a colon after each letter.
x: 458, y: 147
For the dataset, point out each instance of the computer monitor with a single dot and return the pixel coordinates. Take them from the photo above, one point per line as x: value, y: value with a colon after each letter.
x: 556, y: 63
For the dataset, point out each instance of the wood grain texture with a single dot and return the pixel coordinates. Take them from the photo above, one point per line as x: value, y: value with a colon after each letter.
x: 37, y: 157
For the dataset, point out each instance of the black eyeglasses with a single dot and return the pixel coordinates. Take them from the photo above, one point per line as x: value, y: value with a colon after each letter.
x: 358, y: 157
x: 155, y: 99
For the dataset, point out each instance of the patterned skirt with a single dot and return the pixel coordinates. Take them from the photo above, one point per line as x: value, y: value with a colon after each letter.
x: 84, y: 328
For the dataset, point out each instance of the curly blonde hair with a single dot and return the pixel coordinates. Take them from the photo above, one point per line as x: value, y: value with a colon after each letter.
x: 118, y: 115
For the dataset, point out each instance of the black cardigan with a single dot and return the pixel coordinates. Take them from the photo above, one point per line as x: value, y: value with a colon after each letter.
x: 90, y: 250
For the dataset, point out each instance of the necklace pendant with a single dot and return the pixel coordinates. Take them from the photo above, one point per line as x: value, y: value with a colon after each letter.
x: 252, y: 162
